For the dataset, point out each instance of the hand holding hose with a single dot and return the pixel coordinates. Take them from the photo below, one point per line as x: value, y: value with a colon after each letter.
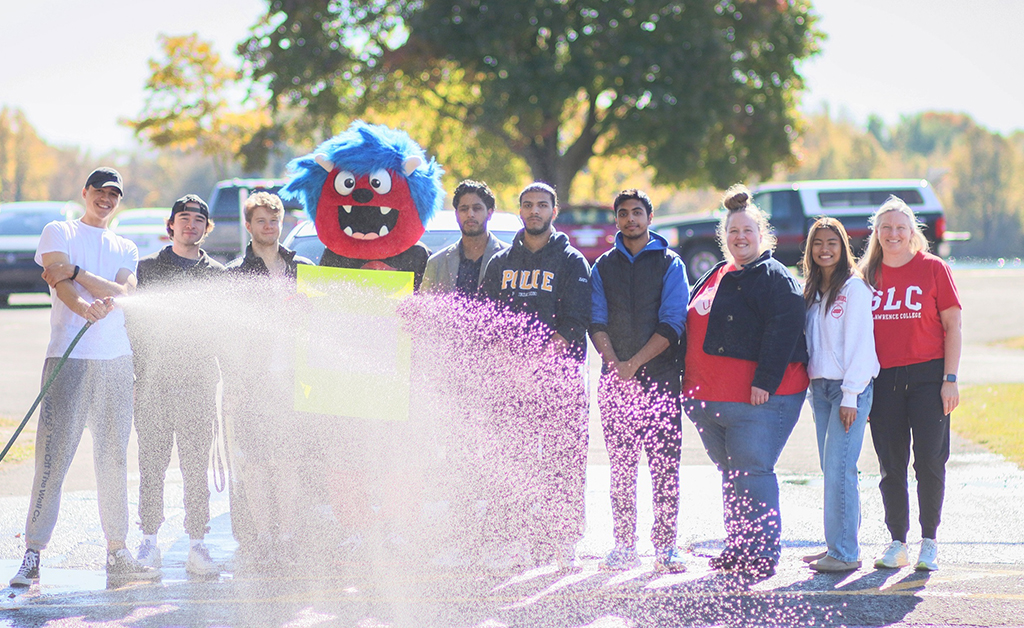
x: 98, y: 309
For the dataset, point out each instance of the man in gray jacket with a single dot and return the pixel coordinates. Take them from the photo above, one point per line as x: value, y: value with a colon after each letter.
x: 460, y: 267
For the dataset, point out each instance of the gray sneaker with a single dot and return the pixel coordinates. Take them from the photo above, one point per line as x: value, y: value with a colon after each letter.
x: 28, y: 574
x: 122, y: 565
x: 829, y: 564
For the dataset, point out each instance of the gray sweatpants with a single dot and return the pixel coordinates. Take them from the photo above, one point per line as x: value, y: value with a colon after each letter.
x: 97, y: 393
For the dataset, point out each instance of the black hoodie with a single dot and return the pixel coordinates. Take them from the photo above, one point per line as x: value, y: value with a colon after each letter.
x: 553, y: 284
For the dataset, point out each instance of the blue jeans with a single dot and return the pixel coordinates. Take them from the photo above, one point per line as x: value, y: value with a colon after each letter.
x: 745, y: 441
x: 838, y: 451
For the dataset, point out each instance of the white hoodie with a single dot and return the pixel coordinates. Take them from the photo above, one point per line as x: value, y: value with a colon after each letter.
x: 841, y: 342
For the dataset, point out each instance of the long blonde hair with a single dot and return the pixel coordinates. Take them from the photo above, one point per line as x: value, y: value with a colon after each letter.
x: 872, y: 260
x: 738, y: 199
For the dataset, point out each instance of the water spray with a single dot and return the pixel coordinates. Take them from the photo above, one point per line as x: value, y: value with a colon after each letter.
x: 46, y: 387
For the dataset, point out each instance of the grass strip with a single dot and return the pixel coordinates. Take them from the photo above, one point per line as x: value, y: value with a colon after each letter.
x: 993, y: 415
x: 1011, y: 343
x: 24, y: 449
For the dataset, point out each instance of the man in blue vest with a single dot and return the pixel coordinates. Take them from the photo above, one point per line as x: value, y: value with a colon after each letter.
x: 639, y: 308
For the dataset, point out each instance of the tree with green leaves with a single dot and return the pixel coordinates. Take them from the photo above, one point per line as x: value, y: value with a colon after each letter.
x: 188, y: 103
x: 987, y: 192
x: 702, y: 92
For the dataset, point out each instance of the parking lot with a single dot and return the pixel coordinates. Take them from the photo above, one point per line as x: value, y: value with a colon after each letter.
x: 978, y: 584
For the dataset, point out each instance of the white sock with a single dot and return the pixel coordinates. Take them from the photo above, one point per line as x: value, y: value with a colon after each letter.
x: 149, y: 538
x: 197, y: 543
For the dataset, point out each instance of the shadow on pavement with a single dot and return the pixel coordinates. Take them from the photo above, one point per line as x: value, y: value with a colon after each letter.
x: 386, y: 595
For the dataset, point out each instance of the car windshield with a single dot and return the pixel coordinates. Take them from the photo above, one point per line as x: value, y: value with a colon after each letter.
x: 26, y: 223
x: 585, y: 216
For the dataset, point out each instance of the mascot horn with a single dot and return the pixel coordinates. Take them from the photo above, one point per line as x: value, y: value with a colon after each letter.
x: 370, y: 191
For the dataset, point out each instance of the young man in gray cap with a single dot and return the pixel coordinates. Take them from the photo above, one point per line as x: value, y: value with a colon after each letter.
x: 167, y: 368
x: 86, y: 266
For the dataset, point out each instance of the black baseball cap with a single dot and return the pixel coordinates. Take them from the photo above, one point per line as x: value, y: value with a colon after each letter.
x: 105, y: 178
x: 180, y: 205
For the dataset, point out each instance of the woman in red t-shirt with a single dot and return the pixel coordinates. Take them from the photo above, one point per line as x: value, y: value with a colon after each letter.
x: 745, y: 380
x: 917, y: 337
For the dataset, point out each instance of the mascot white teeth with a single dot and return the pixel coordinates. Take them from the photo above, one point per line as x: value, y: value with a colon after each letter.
x: 370, y: 190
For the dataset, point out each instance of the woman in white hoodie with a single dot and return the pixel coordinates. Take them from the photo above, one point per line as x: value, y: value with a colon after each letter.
x: 841, y: 344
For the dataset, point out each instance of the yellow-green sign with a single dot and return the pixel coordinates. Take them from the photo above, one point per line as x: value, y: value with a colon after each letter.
x: 354, y: 360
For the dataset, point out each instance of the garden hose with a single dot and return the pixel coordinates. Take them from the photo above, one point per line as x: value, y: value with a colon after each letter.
x: 42, y: 392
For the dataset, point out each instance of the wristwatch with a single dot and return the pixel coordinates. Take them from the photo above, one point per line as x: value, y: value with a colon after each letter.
x: 950, y: 378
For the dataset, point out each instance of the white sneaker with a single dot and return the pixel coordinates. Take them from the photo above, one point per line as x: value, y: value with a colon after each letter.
x: 928, y: 559
x: 148, y: 554
x: 622, y: 558
x: 894, y: 557
x: 199, y: 562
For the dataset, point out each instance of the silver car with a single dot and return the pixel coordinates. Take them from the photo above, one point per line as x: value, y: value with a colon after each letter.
x: 146, y: 227
x: 20, y: 227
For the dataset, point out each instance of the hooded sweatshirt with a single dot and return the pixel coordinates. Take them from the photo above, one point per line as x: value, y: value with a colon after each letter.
x: 552, y: 284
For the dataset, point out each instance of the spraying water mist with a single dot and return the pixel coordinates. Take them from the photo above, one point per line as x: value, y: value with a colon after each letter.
x: 435, y: 498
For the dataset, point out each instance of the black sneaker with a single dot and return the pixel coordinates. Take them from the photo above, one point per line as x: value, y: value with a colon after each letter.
x: 726, y: 561
x: 29, y: 572
x: 756, y: 569
x: 121, y: 564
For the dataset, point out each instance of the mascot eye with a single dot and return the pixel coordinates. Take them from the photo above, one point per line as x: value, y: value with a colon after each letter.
x: 380, y: 181
x: 345, y: 182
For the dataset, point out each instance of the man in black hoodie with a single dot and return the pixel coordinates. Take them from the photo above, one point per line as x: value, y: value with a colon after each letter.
x: 543, y: 276
x: 175, y: 389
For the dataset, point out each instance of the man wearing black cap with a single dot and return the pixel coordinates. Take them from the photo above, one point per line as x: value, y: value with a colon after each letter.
x: 86, y: 266
x: 176, y: 382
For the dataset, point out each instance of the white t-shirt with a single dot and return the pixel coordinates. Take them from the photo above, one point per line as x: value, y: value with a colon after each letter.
x: 103, y: 253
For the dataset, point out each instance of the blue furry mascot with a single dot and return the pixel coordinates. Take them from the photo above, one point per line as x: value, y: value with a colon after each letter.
x: 370, y: 191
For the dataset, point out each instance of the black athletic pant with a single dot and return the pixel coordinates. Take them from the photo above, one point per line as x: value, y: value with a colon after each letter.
x: 907, y: 409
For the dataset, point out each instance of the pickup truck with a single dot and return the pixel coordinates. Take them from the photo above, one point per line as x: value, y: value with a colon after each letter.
x: 793, y: 207
x: 229, y: 237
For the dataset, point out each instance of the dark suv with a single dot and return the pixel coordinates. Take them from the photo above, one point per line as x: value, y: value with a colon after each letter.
x: 792, y: 209
x: 229, y: 237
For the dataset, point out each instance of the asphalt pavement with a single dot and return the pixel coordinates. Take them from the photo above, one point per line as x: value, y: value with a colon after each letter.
x: 981, y: 540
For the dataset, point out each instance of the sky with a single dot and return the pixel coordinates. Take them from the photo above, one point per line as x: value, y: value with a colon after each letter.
x: 77, y: 68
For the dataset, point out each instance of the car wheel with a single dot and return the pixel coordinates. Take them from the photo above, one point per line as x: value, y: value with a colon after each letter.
x: 700, y: 259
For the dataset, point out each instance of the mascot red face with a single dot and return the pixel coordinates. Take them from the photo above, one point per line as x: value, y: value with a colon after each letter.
x: 367, y: 216
x: 370, y: 191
